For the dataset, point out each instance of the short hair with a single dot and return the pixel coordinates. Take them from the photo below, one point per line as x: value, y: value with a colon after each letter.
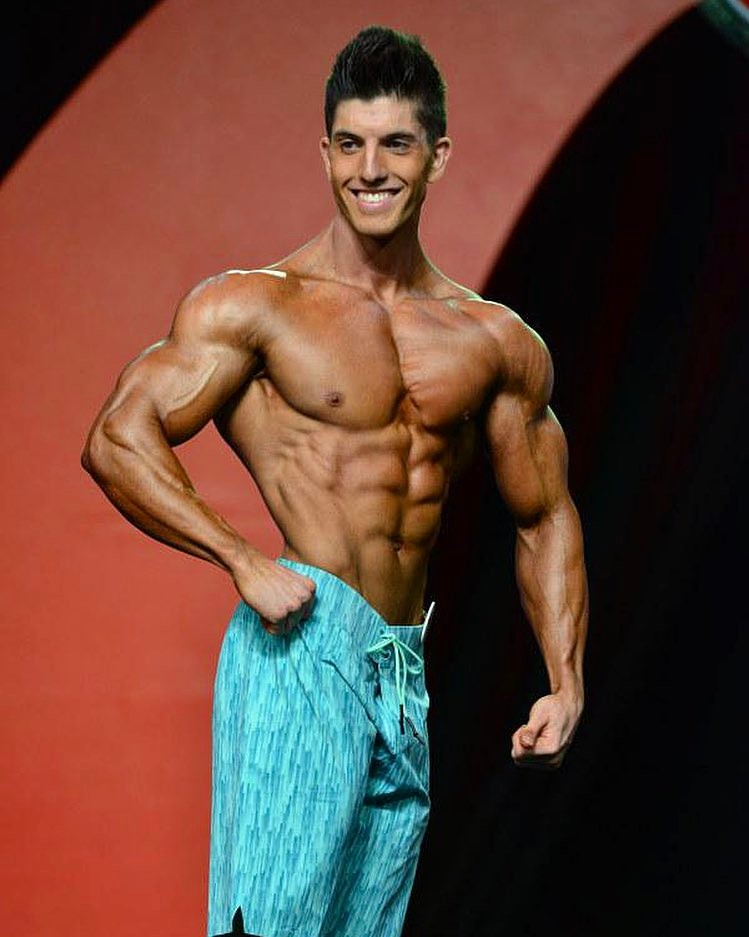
x: 382, y: 61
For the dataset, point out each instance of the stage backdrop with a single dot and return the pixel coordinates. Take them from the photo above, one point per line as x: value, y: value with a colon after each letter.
x: 191, y: 149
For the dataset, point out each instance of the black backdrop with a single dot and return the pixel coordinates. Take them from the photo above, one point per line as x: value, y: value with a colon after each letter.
x: 46, y: 50
x: 631, y: 262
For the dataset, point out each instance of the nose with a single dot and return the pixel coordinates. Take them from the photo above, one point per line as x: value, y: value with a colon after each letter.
x: 371, y: 170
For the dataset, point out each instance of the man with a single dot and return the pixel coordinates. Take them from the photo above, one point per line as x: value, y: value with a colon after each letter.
x: 351, y: 379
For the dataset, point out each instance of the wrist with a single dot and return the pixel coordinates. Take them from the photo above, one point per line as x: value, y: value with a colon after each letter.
x: 570, y: 688
x: 238, y: 557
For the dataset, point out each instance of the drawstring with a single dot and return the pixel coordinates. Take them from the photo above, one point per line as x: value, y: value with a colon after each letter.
x: 402, y: 666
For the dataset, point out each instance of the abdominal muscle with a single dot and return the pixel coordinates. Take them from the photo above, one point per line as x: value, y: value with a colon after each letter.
x: 363, y: 504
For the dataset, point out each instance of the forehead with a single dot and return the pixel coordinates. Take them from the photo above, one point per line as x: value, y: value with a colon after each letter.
x: 381, y: 115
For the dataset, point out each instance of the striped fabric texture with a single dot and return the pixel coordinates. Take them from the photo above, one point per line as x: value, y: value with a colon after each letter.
x: 320, y: 771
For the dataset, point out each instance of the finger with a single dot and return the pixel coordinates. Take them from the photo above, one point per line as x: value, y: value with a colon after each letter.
x: 523, y: 740
x: 293, y: 619
x: 297, y: 604
x: 542, y: 749
x: 272, y: 627
x: 544, y: 755
x: 525, y: 758
x: 304, y: 587
x: 517, y: 746
x: 277, y: 626
x: 307, y: 608
x: 527, y: 735
x: 300, y: 603
x: 537, y: 727
x: 296, y: 613
x: 294, y: 597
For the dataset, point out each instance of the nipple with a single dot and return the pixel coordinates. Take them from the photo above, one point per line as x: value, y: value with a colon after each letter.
x: 334, y: 398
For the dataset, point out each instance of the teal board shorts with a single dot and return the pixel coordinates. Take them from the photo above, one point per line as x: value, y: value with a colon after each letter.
x: 320, y: 771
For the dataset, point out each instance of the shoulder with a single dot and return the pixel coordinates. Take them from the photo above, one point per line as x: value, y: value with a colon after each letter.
x: 520, y: 358
x: 231, y: 304
x: 524, y: 365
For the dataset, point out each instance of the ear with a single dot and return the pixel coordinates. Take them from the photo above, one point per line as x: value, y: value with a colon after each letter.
x: 440, y: 155
x: 325, y: 153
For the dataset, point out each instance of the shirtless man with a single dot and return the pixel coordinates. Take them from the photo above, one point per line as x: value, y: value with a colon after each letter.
x: 351, y: 379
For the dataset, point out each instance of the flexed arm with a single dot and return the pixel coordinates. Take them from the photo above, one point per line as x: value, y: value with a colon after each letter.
x: 529, y: 455
x: 165, y: 397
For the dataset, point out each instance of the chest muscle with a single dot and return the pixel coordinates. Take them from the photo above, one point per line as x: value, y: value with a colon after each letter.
x: 361, y: 367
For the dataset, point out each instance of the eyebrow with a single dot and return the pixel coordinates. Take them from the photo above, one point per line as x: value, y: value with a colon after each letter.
x: 388, y: 138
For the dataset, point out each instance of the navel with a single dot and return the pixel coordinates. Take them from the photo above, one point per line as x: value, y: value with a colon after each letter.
x: 334, y: 398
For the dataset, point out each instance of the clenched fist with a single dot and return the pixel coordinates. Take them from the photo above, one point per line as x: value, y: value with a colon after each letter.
x: 544, y: 740
x: 281, y: 597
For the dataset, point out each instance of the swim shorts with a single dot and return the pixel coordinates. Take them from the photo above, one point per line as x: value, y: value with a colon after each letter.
x: 320, y: 771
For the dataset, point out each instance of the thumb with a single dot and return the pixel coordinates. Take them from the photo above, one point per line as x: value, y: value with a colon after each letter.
x: 529, y: 733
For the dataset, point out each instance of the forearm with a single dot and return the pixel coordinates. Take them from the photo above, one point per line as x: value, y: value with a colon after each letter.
x: 553, y: 589
x: 138, y: 471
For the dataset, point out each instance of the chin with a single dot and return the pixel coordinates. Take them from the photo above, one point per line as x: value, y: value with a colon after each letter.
x: 381, y: 228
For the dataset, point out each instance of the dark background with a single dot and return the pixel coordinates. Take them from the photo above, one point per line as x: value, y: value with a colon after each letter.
x: 630, y: 260
x: 46, y: 50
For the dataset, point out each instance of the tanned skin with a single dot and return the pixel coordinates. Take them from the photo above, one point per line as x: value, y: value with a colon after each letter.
x: 353, y: 385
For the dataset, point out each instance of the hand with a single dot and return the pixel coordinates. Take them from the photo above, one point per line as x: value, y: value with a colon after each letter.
x: 544, y: 740
x: 281, y: 597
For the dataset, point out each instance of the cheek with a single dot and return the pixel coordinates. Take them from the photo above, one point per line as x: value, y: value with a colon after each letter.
x: 419, y: 175
x: 419, y: 184
x: 339, y: 175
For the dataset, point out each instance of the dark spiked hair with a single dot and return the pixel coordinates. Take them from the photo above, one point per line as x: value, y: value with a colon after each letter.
x: 382, y: 61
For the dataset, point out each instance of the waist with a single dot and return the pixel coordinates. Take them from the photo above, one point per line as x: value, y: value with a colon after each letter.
x: 334, y: 596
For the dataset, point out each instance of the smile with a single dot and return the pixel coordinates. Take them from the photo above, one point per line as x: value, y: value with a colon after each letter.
x: 372, y: 200
x: 374, y: 197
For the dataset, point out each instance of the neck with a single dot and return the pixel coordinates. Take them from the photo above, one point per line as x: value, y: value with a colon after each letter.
x: 387, y: 267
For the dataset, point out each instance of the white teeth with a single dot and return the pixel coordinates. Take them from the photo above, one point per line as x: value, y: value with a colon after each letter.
x: 373, y: 196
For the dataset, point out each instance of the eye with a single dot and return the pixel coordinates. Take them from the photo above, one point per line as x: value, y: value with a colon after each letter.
x: 347, y: 146
x: 399, y: 146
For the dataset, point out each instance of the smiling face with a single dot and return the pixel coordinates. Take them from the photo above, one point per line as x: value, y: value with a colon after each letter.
x: 379, y: 163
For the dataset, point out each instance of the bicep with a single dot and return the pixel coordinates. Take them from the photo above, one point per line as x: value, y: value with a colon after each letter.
x: 179, y: 384
x: 529, y: 456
